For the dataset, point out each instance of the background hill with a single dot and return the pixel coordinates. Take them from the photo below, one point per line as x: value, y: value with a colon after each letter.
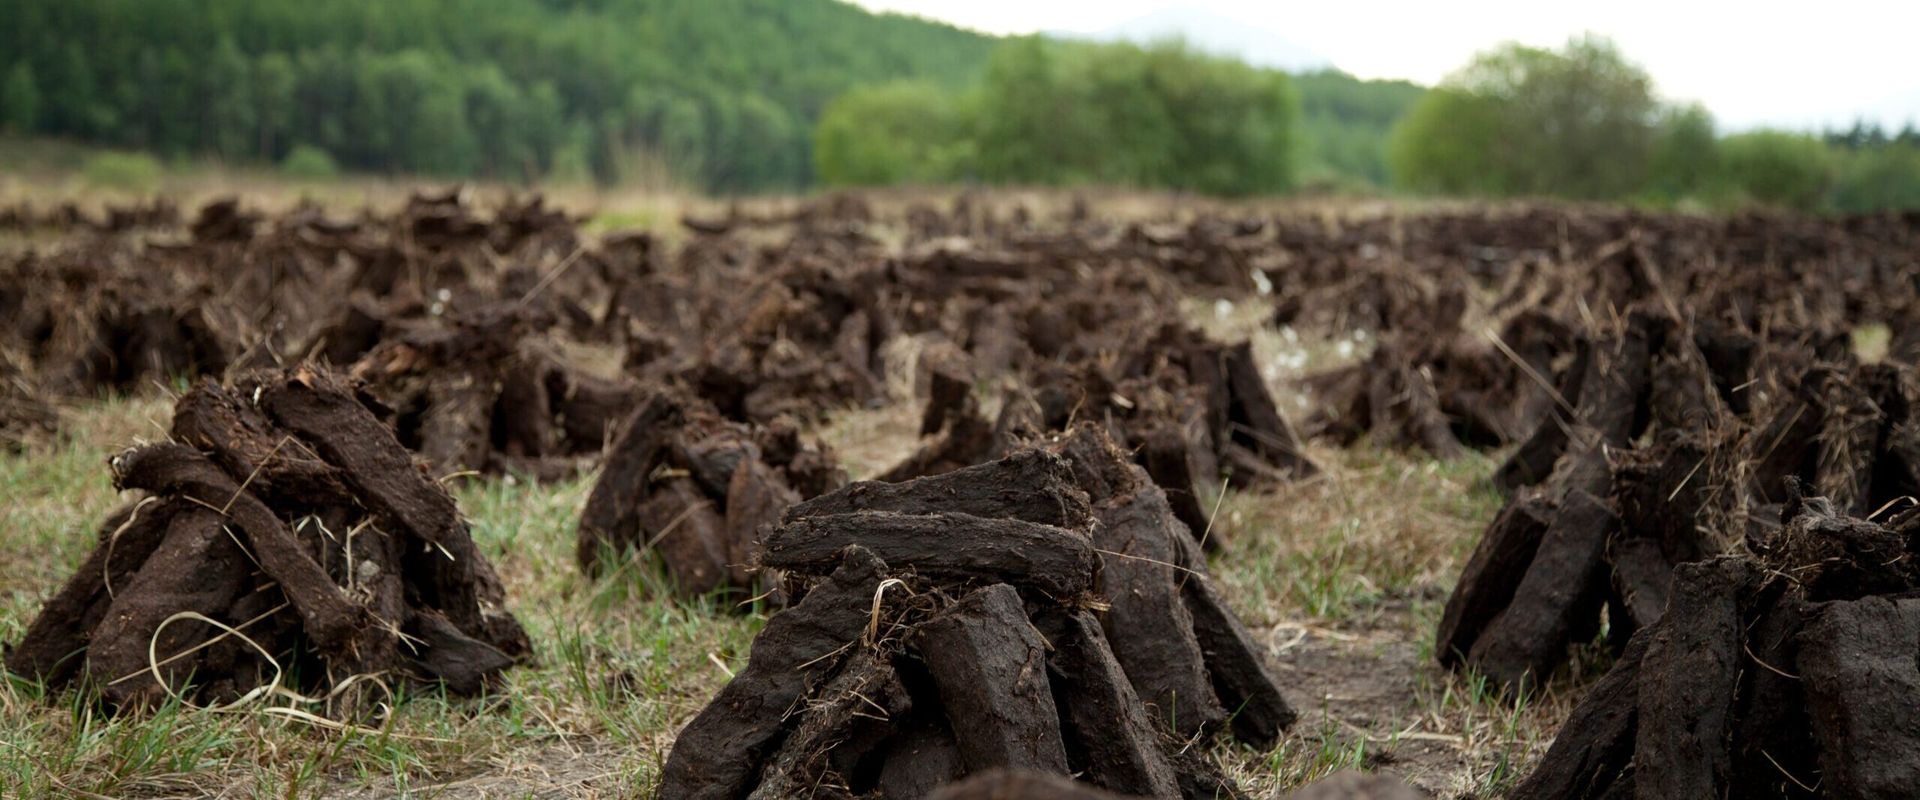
x: 722, y: 95
x: 722, y: 92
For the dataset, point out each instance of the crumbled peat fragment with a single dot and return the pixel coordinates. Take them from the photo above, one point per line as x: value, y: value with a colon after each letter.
x: 698, y: 494
x: 988, y: 618
x: 1355, y: 785
x: 1655, y: 470
x: 1787, y: 674
x: 286, y: 511
x: 1023, y: 784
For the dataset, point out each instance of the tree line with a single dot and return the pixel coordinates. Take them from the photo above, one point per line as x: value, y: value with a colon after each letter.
x: 722, y: 94
x: 734, y: 96
x: 1073, y: 113
x: 1584, y: 122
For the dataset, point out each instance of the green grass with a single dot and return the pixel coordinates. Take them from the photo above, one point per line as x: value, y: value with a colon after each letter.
x: 1871, y: 342
x: 126, y: 172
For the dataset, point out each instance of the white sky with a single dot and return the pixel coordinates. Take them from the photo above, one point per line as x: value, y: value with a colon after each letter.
x: 1788, y: 64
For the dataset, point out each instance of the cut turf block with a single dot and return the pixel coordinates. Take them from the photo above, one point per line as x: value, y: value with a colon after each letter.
x: 1589, y: 758
x: 1641, y: 577
x: 1031, y: 485
x: 921, y: 760
x: 1691, y: 475
x: 197, y: 569
x: 1862, y: 680
x: 1533, y: 461
x: 989, y: 667
x: 1237, y: 663
x: 720, y: 753
x: 1043, y: 558
x: 1150, y: 628
x: 1687, y: 680
x: 1255, y: 421
x: 856, y: 714
x: 1791, y: 672
x: 1118, y: 746
x: 55, y: 644
x: 683, y: 527
x: 1167, y: 459
x: 1770, y: 719
x: 1522, y: 645
x: 697, y: 495
x: 1492, y: 575
x: 611, y: 518
x: 1147, y: 563
x: 756, y: 496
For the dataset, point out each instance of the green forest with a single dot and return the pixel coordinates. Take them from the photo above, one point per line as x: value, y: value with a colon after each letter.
x: 739, y: 96
x: 723, y: 93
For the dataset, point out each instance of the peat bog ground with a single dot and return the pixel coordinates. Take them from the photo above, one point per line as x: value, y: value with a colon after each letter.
x: 468, y: 497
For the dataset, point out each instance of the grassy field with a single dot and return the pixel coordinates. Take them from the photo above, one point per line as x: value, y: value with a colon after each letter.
x: 1343, y: 576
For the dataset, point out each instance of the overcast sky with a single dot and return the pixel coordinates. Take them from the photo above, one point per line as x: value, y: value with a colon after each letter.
x: 1753, y: 63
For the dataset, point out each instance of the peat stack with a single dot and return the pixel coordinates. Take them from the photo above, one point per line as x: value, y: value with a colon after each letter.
x: 286, y: 541
x: 480, y: 391
x: 1190, y: 410
x: 954, y: 432
x: 1446, y: 390
x: 765, y: 334
x: 1790, y: 672
x: 1592, y: 522
x: 981, y: 620
x: 1655, y: 468
x: 698, y: 493
x: 1216, y: 398
x: 1174, y: 382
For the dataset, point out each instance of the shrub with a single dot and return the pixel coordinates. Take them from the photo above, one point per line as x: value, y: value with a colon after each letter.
x: 1686, y: 156
x: 133, y: 172
x: 1776, y: 168
x: 307, y: 161
x: 1162, y: 115
x: 1575, y: 122
x: 1879, y: 178
x: 894, y: 133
